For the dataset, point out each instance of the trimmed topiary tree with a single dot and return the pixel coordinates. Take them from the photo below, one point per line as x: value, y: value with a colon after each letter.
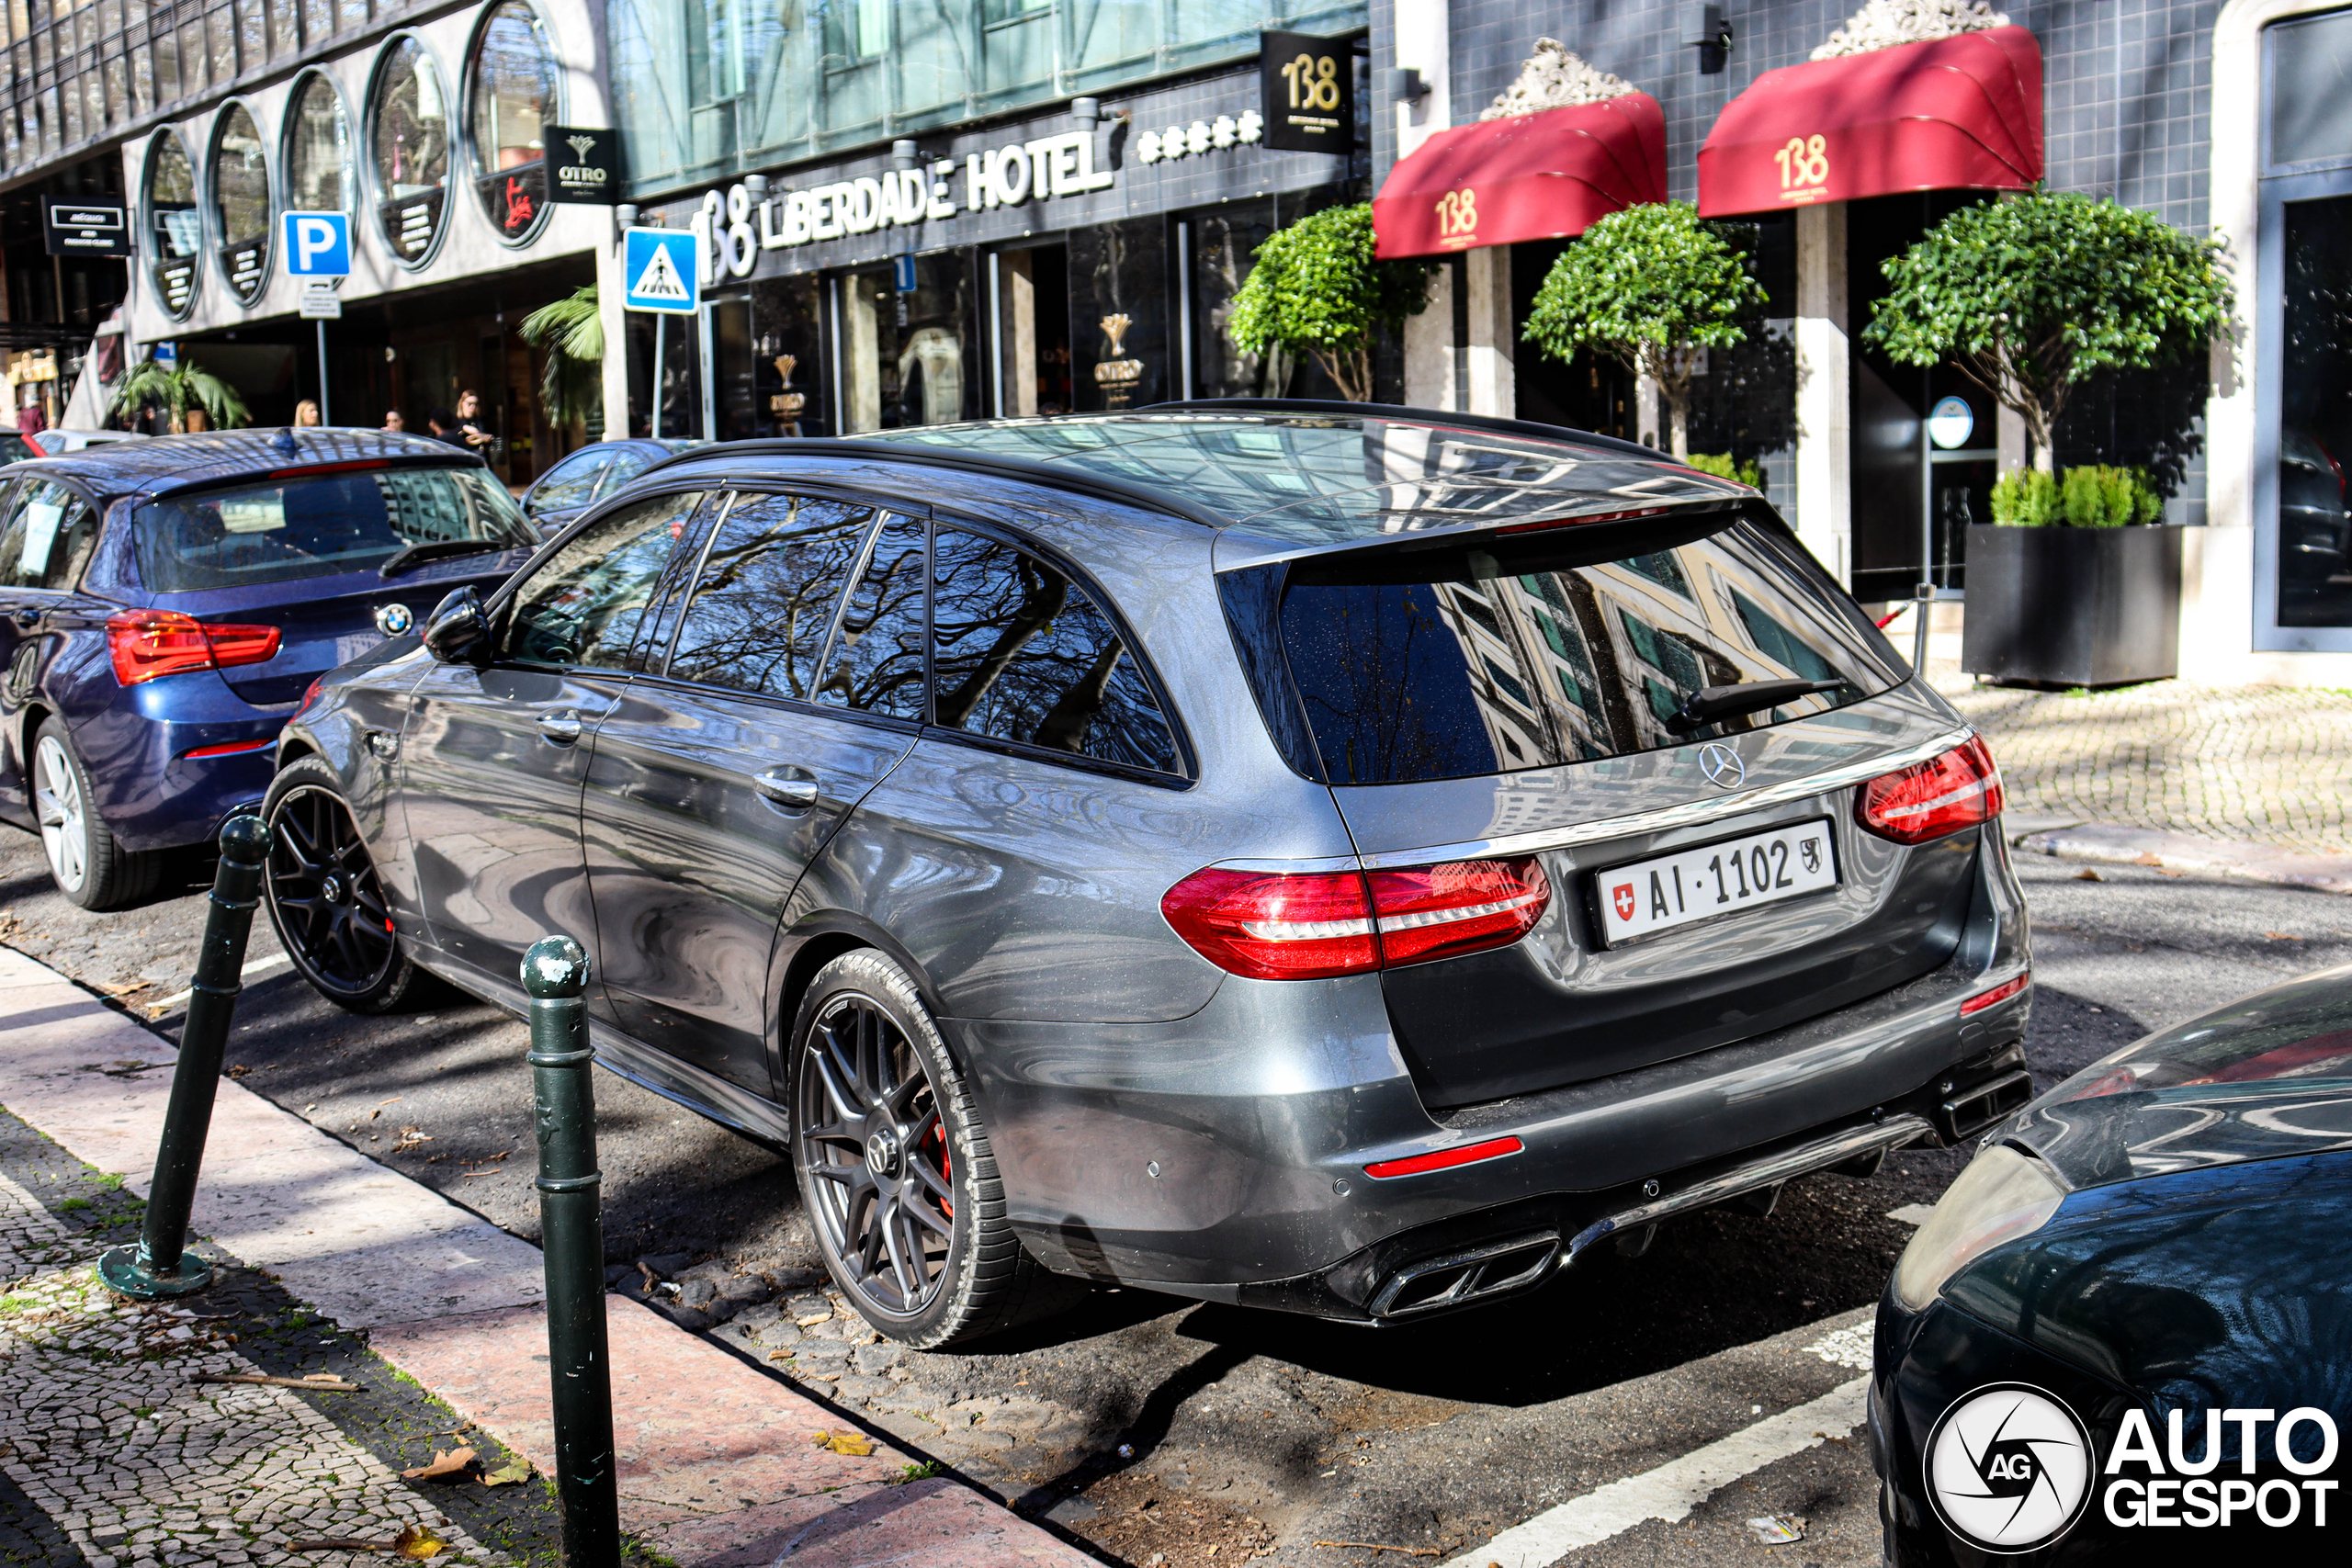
x: 1648, y: 286
x: 1315, y: 288
x: 2031, y: 296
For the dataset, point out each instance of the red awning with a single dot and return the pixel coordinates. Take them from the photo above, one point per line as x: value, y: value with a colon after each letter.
x: 1948, y: 114
x: 1536, y: 176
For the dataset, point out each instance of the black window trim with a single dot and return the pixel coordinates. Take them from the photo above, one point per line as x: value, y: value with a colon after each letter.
x: 1188, y: 771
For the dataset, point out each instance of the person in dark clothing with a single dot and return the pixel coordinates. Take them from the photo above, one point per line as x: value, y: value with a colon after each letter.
x: 444, y: 428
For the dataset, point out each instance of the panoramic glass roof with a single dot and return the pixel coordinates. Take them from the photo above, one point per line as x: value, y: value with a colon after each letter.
x: 1306, y: 480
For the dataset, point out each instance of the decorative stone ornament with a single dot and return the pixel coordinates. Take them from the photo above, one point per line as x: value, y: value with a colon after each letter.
x: 1883, y: 24
x: 1554, y: 77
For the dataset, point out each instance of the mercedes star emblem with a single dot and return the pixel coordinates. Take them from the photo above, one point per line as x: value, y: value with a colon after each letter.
x: 393, y: 620
x: 1722, y: 765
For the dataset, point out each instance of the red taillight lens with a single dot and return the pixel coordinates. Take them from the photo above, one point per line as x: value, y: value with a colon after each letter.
x: 1929, y: 799
x: 1444, y: 1159
x: 1307, y: 926
x: 1438, y: 910
x: 147, y: 645
x: 1271, y: 926
x: 1999, y: 993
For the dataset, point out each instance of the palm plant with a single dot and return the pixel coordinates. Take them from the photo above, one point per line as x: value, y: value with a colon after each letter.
x: 177, y: 387
x: 572, y: 333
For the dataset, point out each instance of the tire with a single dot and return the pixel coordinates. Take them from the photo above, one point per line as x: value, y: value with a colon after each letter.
x: 913, y: 1228
x: 88, y: 863
x: 325, y: 901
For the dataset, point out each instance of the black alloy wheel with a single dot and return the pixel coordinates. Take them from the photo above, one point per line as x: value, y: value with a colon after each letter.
x: 325, y: 901
x: 881, y: 1188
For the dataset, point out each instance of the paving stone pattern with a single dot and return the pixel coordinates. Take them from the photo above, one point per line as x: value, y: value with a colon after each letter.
x: 2264, y: 764
x: 135, y: 1465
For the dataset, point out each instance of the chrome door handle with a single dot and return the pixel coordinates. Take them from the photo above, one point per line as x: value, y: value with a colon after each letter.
x: 561, y: 727
x: 786, y: 787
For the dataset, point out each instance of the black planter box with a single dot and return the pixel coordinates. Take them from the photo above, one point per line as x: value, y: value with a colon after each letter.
x: 2073, y: 606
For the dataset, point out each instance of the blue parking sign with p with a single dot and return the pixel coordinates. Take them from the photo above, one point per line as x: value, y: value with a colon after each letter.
x: 318, y: 244
x: 661, y: 269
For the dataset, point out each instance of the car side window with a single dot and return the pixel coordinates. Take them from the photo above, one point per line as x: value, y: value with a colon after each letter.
x: 582, y: 605
x: 1020, y: 652
x: 876, y: 664
x: 570, y: 482
x: 773, y: 576
x: 625, y: 465
x: 47, y: 536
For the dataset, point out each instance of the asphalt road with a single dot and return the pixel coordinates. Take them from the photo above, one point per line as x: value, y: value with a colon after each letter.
x: 1158, y: 1429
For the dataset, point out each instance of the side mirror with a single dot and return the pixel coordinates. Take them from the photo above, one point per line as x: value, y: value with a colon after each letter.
x: 457, y: 632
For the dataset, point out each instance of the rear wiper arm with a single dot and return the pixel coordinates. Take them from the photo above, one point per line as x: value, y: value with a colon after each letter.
x: 425, y: 550
x: 1710, y: 704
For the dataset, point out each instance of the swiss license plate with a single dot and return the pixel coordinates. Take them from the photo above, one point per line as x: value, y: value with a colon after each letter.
x: 1696, y: 885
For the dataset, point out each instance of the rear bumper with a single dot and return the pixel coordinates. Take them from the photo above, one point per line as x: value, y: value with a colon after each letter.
x: 149, y: 792
x: 1223, y: 1157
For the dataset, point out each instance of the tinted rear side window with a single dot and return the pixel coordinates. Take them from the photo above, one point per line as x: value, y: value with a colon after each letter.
x: 1021, y: 653
x: 875, y: 665
x: 317, y: 526
x: 1460, y: 663
x: 771, y: 580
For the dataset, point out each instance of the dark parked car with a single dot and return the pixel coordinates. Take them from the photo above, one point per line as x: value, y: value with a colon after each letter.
x: 1324, y: 858
x: 2126, y: 1333
x: 588, y: 476
x: 165, y: 603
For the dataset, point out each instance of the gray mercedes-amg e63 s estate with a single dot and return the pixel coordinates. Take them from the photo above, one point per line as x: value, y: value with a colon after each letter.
x: 1320, y: 857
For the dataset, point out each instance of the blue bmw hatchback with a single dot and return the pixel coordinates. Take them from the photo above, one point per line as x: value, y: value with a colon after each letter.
x: 166, y: 604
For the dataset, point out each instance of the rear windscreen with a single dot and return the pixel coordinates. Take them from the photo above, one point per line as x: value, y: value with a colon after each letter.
x: 317, y: 525
x: 1466, y: 661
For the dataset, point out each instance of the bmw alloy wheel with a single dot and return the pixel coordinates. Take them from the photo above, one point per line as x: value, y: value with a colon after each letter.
x: 64, y: 823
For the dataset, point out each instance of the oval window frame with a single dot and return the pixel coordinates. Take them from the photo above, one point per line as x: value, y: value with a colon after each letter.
x: 374, y: 197
x: 147, y: 220
x: 477, y: 169
x: 286, y: 132
x: 217, y: 230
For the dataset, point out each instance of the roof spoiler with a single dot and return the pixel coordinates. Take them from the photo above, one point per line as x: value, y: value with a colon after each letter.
x: 1398, y: 411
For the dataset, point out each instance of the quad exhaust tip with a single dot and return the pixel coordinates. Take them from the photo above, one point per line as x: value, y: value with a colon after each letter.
x: 1454, y: 1279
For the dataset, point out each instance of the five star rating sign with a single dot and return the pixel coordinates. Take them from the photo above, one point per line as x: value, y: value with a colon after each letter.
x: 663, y: 268
x: 316, y: 246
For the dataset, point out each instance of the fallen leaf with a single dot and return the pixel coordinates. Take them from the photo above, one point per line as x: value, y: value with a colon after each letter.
x: 780, y: 1354
x: 852, y: 1443
x: 2088, y: 874
x: 2147, y: 857
x: 452, y: 1462
x: 813, y: 1319
x: 507, y: 1474
x: 418, y: 1544
x: 2282, y: 936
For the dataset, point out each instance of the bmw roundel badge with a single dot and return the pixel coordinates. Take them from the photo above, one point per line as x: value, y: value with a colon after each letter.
x: 393, y: 620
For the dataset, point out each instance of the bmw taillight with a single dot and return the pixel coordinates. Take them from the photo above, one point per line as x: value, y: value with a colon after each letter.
x: 147, y: 645
x: 1312, y: 925
x: 1928, y: 800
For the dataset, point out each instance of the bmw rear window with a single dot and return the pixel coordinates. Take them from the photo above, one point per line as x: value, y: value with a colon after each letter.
x: 317, y: 525
x: 1503, y: 655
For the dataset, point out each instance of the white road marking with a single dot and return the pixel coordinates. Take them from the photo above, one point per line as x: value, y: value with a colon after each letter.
x: 1673, y: 1489
x: 1913, y: 1213
x: 258, y: 969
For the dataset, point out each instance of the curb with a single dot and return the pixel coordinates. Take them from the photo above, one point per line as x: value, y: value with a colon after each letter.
x: 2106, y: 845
x: 713, y: 1457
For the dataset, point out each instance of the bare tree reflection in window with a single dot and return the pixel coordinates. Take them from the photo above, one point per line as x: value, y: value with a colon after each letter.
x: 877, y: 664
x: 765, y: 599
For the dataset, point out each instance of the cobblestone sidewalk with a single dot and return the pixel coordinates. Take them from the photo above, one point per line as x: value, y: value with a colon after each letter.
x: 135, y: 1465
x: 2265, y: 765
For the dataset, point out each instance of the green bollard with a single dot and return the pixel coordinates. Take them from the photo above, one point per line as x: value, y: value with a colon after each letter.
x: 161, y: 1265
x: 571, y: 1235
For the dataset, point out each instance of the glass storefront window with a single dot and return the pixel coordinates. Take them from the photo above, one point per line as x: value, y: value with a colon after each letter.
x: 512, y: 96
x: 408, y: 149
x: 318, y: 148
x: 703, y: 88
x: 175, y: 244
x: 906, y: 358
x: 241, y: 208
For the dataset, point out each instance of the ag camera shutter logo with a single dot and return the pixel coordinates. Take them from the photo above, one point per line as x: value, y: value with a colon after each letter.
x: 2009, y: 1468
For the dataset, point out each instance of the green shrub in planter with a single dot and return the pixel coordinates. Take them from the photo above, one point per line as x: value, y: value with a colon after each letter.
x: 2091, y: 495
x: 1724, y: 467
x: 2025, y: 498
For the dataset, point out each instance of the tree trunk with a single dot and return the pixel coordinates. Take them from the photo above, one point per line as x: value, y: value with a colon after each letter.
x: 1678, y: 413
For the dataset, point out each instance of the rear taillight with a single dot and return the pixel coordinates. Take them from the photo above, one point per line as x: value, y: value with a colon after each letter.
x: 1310, y: 925
x: 147, y: 645
x: 1999, y: 993
x: 1929, y: 799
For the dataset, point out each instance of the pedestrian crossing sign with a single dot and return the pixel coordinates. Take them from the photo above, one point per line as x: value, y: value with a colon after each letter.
x: 661, y: 269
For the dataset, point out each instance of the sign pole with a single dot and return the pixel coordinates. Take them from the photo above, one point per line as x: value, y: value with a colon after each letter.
x: 324, y: 418
x: 661, y: 331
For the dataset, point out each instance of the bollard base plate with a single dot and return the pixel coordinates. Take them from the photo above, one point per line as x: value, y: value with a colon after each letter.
x: 125, y: 1275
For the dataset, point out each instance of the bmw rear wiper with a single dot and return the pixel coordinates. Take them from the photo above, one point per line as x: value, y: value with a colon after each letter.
x: 1709, y: 704
x: 425, y: 550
